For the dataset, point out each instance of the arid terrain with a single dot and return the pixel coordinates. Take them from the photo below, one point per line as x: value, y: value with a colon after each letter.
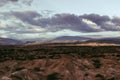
x: 59, y: 62
x: 59, y: 39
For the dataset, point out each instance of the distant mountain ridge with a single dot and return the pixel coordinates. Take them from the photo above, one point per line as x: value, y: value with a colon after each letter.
x: 62, y: 39
x: 77, y: 40
x: 115, y: 40
x: 106, y: 40
x: 8, y: 41
x: 71, y: 38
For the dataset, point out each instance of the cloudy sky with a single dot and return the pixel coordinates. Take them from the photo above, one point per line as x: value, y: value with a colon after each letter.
x: 48, y: 19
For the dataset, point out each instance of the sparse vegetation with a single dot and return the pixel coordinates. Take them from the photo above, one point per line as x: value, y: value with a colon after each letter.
x: 54, y: 52
x: 99, y: 77
x: 46, y: 62
x: 97, y: 63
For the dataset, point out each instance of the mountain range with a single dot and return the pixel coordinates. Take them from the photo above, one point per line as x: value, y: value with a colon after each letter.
x: 106, y: 40
x: 71, y: 38
x: 8, y: 41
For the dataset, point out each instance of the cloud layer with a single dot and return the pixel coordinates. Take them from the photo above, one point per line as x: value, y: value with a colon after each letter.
x: 32, y: 22
x: 82, y: 23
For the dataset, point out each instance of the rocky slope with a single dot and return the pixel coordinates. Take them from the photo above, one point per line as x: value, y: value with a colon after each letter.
x: 68, y: 67
x: 44, y: 62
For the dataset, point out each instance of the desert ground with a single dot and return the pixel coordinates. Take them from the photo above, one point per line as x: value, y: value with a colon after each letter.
x: 59, y: 62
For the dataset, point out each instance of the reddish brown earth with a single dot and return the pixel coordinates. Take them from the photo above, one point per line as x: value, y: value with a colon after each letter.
x: 66, y: 67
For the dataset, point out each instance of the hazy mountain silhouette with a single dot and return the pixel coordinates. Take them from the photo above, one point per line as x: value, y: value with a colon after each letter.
x: 115, y: 40
x: 71, y: 38
x: 106, y: 40
x: 8, y: 41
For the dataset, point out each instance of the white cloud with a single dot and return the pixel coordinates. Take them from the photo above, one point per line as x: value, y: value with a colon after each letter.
x: 3, y: 25
x: 92, y: 24
x: 4, y: 36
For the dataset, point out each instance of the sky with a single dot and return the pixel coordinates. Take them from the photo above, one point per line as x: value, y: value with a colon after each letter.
x: 46, y: 19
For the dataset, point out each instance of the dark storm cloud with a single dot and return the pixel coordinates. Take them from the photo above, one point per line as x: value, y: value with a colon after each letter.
x: 19, y: 22
x: 4, y: 2
x: 14, y: 0
x: 73, y: 22
x: 116, y: 20
x: 58, y: 22
x: 66, y: 21
x: 94, y: 22
x: 27, y: 16
x: 54, y: 23
x: 96, y: 18
x: 105, y: 22
x: 27, y: 2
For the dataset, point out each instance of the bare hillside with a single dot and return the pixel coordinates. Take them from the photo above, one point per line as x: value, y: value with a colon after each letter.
x: 59, y: 62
